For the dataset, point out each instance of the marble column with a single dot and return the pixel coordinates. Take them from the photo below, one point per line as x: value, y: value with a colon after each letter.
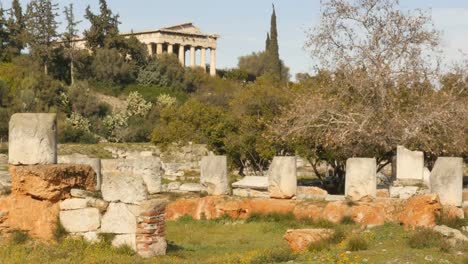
x: 192, y: 56
x: 182, y: 55
x: 170, y: 48
x: 150, y: 49
x: 159, y: 48
x: 213, y: 62
x: 203, y: 58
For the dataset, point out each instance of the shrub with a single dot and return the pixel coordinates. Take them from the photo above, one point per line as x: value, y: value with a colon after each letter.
x: 453, y: 222
x: 60, y: 233
x: 71, y: 135
x: 273, y: 256
x: 164, y: 70
x: 347, y: 220
x: 19, y: 237
x: 427, y: 238
x: 271, y: 217
x: 110, y: 66
x: 357, y: 243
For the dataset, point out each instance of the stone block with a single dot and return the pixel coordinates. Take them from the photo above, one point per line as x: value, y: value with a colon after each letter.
x: 51, y: 182
x: 81, y: 220
x: 447, y: 180
x: 246, y: 192
x: 252, y: 182
x: 427, y: 177
x: 125, y: 239
x: 213, y: 175
x: 83, y: 159
x: 130, y: 181
x: 361, y: 178
x: 91, y: 237
x: 173, y: 186
x: 403, y: 192
x: 73, y: 204
x: 282, y: 177
x: 192, y: 187
x: 32, y: 139
x: 120, y: 218
x: 409, y: 164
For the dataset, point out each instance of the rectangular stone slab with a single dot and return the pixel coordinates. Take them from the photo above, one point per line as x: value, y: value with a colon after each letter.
x: 409, y: 164
x: 252, y: 182
x: 361, y: 178
x: 447, y: 180
x: 130, y: 180
x: 32, y: 139
x: 282, y: 177
x: 213, y: 174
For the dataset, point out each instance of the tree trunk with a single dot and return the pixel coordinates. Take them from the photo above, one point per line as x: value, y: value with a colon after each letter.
x: 72, y: 73
x: 46, y: 69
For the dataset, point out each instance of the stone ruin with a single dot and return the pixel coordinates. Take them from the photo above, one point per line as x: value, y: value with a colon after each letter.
x: 115, y: 196
x: 43, y: 191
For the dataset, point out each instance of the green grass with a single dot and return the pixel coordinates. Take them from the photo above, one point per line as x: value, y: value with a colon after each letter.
x: 226, y: 240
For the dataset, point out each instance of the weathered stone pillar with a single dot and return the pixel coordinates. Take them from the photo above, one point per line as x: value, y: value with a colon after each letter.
x: 409, y: 166
x: 159, y: 48
x: 182, y: 54
x: 203, y: 58
x: 192, y: 56
x: 361, y: 178
x: 447, y: 180
x: 282, y: 177
x: 150, y: 49
x: 213, y: 170
x: 170, y: 48
x: 32, y: 139
x: 151, y: 229
x: 213, y: 62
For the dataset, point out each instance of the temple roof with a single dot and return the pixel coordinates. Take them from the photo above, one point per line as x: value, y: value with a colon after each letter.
x: 184, y: 28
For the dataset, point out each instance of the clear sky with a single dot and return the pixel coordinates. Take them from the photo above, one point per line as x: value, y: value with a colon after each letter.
x: 243, y: 24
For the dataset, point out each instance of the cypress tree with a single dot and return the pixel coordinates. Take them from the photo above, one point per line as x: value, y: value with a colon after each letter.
x: 273, y: 63
x: 16, y: 28
x: 267, y: 42
x: 104, y: 30
x: 4, y: 36
x: 42, y: 30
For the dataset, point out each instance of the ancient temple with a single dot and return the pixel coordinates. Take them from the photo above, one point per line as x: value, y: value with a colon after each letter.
x: 178, y: 39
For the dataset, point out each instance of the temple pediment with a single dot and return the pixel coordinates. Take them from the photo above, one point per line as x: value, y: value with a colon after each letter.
x: 188, y: 28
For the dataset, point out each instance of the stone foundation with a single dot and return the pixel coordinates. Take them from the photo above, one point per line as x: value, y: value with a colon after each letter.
x: 151, y: 229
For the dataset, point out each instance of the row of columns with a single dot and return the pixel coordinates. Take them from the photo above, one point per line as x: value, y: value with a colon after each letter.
x: 181, y: 54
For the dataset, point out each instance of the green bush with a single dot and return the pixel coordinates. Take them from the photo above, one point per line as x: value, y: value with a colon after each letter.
x: 273, y: 256
x: 19, y: 237
x: 110, y: 66
x: 427, y: 238
x: 357, y: 243
x: 71, y: 135
x: 165, y: 71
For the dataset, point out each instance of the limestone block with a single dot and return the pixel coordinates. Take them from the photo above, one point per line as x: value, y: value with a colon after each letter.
x: 282, y: 177
x: 51, y: 182
x: 447, y: 180
x: 32, y: 139
x: 361, y: 178
x: 192, y: 187
x: 122, y: 182
x: 245, y: 192
x: 120, y: 218
x: 173, y: 186
x: 83, y: 159
x: 403, y: 192
x: 73, y: 204
x: 125, y: 239
x: 252, y: 182
x: 409, y: 164
x: 427, y: 177
x: 97, y: 203
x: 213, y: 174
x: 79, y: 193
x: 81, y: 220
